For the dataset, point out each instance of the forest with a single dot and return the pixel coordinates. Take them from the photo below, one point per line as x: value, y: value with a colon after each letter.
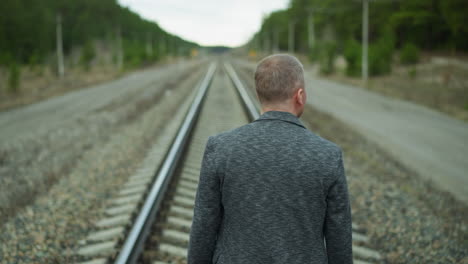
x: 324, y: 28
x: 28, y: 31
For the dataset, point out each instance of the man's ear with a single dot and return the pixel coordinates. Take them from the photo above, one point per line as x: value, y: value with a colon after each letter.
x: 300, y: 96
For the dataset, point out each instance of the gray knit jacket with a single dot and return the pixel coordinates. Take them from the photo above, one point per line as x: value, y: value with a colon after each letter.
x: 271, y: 192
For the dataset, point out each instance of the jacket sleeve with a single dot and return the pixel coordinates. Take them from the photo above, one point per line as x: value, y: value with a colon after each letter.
x: 207, y: 211
x: 337, y: 226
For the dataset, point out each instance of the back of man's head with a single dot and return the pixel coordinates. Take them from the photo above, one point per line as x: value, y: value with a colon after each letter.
x: 277, y: 77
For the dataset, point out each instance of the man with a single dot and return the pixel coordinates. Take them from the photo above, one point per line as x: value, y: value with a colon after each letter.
x: 272, y: 191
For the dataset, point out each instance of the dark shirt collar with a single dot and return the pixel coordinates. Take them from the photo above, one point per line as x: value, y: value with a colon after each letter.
x: 279, y: 115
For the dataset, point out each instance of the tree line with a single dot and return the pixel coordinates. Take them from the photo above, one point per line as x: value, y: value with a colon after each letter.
x: 28, y: 31
x: 325, y: 28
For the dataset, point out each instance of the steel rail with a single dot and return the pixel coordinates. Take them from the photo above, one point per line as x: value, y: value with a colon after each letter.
x: 134, y: 243
x: 252, y: 111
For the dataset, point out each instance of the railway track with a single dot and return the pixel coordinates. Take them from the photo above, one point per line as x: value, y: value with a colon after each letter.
x: 150, y: 220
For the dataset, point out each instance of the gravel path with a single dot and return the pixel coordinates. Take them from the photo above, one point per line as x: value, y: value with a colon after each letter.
x: 57, y: 110
x: 47, y: 230
x: 407, y: 217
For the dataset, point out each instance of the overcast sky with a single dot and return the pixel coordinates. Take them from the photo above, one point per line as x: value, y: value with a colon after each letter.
x: 207, y: 22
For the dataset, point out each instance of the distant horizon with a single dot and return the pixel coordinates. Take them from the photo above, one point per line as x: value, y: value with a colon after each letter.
x: 209, y: 23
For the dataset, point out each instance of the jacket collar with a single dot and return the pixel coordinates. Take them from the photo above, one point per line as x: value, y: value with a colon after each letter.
x: 279, y: 115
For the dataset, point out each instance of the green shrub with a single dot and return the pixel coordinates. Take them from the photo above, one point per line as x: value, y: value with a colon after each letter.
x: 327, y: 58
x: 380, y: 54
x: 35, y: 64
x: 379, y: 64
x: 33, y: 60
x: 134, y: 62
x: 353, y: 57
x: 412, y: 72
x: 314, y: 54
x: 153, y: 57
x: 5, y: 58
x: 87, y: 55
x: 409, y: 54
x: 14, y: 77
x: 134, y: 54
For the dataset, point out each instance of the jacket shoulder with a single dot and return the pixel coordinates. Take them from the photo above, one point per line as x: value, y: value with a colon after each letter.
x: 325, y: 144
x: 307, y: 137
x: 229, y: 135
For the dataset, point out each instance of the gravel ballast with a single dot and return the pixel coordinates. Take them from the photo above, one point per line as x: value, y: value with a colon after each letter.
x: 49, y: 228
x: 407, y: 218
x: 34, y: 161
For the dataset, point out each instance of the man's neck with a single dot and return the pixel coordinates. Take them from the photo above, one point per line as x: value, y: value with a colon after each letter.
x: 279, y: 108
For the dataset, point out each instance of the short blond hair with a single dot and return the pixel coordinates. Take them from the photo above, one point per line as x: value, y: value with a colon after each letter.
x: 277, y: 77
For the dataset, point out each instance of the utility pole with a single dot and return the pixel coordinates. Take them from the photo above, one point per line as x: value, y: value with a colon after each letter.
x: 311, y: 30
x: 291, y: 36
x: 119, y: 49
x: 365, y: 40
x: 60, y: 64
